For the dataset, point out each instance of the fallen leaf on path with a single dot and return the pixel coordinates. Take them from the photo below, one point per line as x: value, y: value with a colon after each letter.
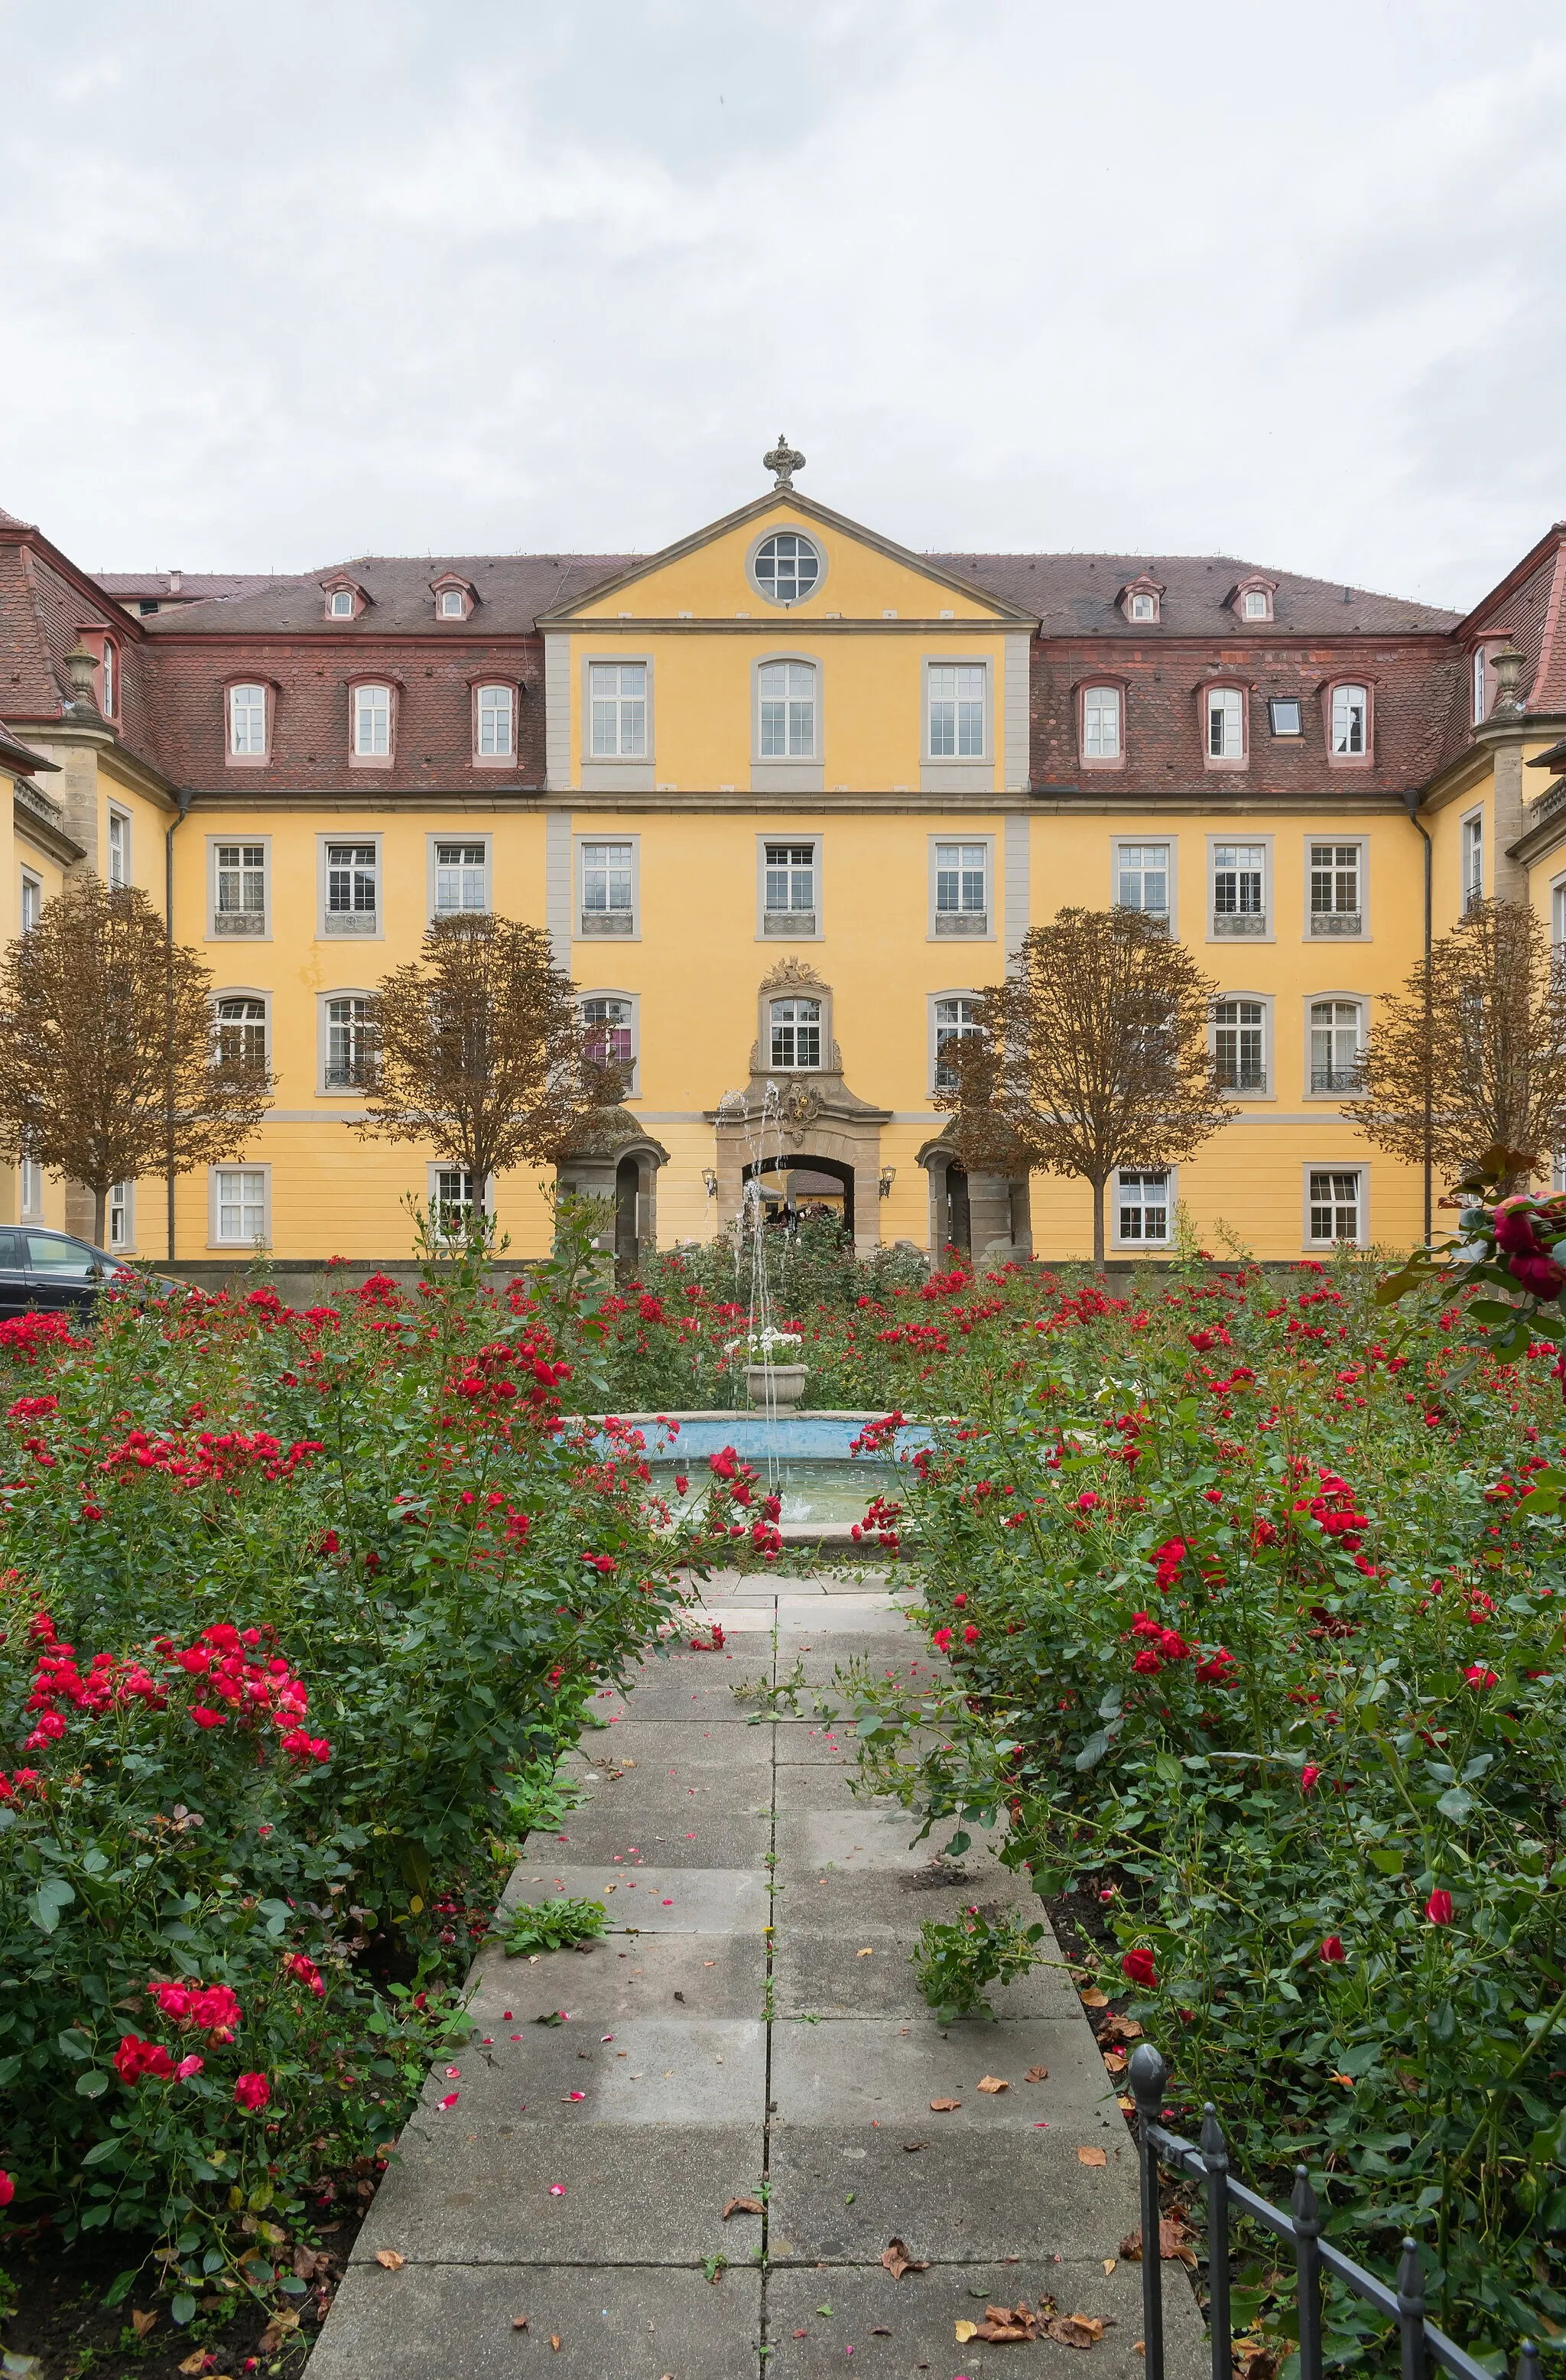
x: 141, y: 2323
x: 1075, y: 2329
x: 284, y: 2321
x: 1174, y: 2240
x: 1092, y: 2157
x: 864, y: 1954
x: 1095, y: 1999
x: 912, y: 2145
x: 1116, y: 2027
x: 965, y: 2330
x: 1114, y: 2061
x: 992, y: 2084
x: 742, y: 2206
x: 390, y: 2260
x: 943, y: 2107
x: 1037, y: 2074
x: 1109, y: 2263
x: 896, y: 2259
x: 555, y: 2341
x: 880, y: 2330
x: 196, y: 2363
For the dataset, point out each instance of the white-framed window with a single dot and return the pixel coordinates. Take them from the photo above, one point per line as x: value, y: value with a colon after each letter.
x: 961, y: 887
x: 453, y: 603
x: 1239, y: 890
x: 372, y: 722
x: 1240, y: 1044
x: 617, y: 696
x: 1100, y: 723
x: 340, y: 603
x: 31, y: 1190
x: 1350, y: 722
x: 1337, y: 1036
x: 609, y: 1033
x: 955, y: 695
x: 122, y: 1216
x: 955, y: 1017
x: 350, y: 888
x: 240, y: 1200
x: 460, y: 871
x: 786, y: 568
x: 1285, y: 714
x: 1334, y: 1205
x: 1471, y: 838
x: 1256, y: 605
x: 785, y: 695
x: 240, y: 1030
x: 1144, y: 878
x: 247, y: 723
x: 1142, y: 607
x: 795, y: 1039
x: 119, y: 847
x: 1335, y: 871
x: 790, y: 870
x: 1557, y: 916
x: 494, y: 714
x: 110, y: 677
x: 454, y: 1198
x: 348, y: 1055
x: 1142, y: 1207
x: 239, y: 888
x: 1481, y: 685
x: 29, y: 905
x: 1225, y: 708
x: 608, y: 887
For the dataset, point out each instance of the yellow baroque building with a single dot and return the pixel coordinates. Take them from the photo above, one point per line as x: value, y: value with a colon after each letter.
x: 786, y: 796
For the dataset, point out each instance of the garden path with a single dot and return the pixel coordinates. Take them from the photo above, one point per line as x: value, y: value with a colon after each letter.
x: 748, y: 2029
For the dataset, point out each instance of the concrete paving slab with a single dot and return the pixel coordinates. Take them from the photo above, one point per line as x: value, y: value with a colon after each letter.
x: 820, y: 1785
x: 880, y: 2070
x: 684, y: 1749
x: 720, y: 1975
x: 656, y: 1900
x: 919, y: 2312
x: 840, y: 2195
x: 847, y: 1842
x: 668, y: 2068
x: 825, y: 1973
x: 828, y: 1902
x: 798, y: 1741
x: 600, y: 1836
x: 440, y: 2323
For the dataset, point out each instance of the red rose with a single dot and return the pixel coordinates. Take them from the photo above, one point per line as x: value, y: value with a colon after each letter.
x: 7, y: 2189
x: 1308, y: 1776
x: 1332, y: 1949
x: 1137, y: 1968
x: 251, y: 2091
x: 1438, y: 1908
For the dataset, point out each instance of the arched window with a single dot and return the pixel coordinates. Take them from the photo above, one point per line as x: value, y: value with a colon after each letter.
x: 957, y: 1020
x: 609, y: 1033
x: 241, y: 1033
x: 1336, y: 1032
x: 349, y: 1055
x: 1226, y: 724
x: 496, y: 736
x: 1100, y: 723
x: 787, y: 692
x: 1351, y: 722
x: 797, y: 1034
x: 372, y: 722
x: 110, y: 677
x: 247, y: 722
x: 786, y: 568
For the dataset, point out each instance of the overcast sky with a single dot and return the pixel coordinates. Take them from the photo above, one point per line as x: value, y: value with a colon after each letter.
x: 284, y: 285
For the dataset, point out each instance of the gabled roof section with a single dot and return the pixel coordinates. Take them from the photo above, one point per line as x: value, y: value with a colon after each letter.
x: 1077, y: 595
x: 789, y: 505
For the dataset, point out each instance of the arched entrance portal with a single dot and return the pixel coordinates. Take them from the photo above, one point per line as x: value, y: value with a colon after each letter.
x: 805, y: 1160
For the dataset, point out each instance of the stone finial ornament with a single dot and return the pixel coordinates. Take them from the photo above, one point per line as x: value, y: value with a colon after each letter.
x: 1508, y: 665
x: 783, y: 462
x: 80, y: 663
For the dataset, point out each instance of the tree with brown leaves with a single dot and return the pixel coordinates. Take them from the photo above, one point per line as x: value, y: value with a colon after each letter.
x: 109, y: 1065
x: 1092, y: 1055
x: 476, y: 1050
x: 1467, y: 1064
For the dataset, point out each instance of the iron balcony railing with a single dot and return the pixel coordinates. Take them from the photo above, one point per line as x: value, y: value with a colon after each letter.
x: 1335, y: 922
x: 1315, y: 2258
x: 1334, y: 1078
x: 1238, y: 1074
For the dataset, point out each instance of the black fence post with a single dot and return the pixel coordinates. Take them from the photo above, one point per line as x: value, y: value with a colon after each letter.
x: 1307, y: 2266
x: 1411, y: 2310
x: 1215, y: 2157
x: 1147, y: 2074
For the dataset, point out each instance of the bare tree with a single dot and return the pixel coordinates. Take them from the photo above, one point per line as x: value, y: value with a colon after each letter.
x: 1092, y: 1055
x: 110, y: 1068
x: 475, y: 1049
x: 1469, y: 1059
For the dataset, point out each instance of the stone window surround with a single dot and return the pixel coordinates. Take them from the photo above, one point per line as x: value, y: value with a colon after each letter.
x: 270, y: 692
x: 959, y: 834
x: 771, y: 774
x: 237, y: 1165
x: 1120, y: 842
x: 322, y: 843
x: 793, y: 980
x: 614, y: 773
x: 1362, y: 840
x: 1080, y: 691
x: 1111, y: 1193
x: 1362, y: 1003
x: 633, y: 1001
x: 946, y: 773
x: 220, y: 991
x: 1269, y: 1095
x: 324, y: 1089
x: 1244, y: 839
x: 458, y: 834
x: 932, y: 999
x: 477, y: 684
x: 262, y: 932
x: 786, y: 528
x: 814, y: 931
x: 1334, y: 1165
x: 578, y: 845
x: 1365, y: 759
x: 392, y: 683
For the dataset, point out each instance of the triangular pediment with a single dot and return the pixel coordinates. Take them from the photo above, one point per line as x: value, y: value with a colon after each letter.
x: 709, y: 576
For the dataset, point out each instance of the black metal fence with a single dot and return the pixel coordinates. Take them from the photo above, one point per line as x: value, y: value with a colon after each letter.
x: 1423, y: 2342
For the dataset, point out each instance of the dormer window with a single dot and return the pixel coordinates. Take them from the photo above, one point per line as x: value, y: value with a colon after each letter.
x: 454, y: 596
x: 247, y: 723
x: 340, y: 603
x: 1481, y: 685
x: 1100, y: 732
x: 1225, y: 718
x: 1252, y: 600
x: 495, y: 723
x: 1141, y: 600
x: 110, y: 678
x: 372, y: 723
x: 1351, y: 721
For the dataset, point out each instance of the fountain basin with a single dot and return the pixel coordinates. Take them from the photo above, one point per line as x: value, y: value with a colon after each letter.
x: 804, y: 1458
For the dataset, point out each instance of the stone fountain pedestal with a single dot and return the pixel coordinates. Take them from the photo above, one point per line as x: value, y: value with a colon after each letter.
x: 775, y: 1388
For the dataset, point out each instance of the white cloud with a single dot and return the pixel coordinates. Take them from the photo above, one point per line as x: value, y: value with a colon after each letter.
x: 383, y: 277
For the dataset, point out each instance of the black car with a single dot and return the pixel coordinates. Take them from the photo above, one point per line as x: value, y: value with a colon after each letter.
x: 50, y: 1270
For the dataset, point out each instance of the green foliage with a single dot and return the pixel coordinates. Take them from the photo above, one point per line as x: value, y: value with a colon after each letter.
x: 553, y: 1926
x: 955, y: 1964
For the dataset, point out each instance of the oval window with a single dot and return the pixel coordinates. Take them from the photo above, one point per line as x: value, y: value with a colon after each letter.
x: 786, y: 568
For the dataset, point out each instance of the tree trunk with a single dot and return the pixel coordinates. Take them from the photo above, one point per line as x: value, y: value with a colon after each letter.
x: 1098, y: 1265
x: 100, y: 1212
